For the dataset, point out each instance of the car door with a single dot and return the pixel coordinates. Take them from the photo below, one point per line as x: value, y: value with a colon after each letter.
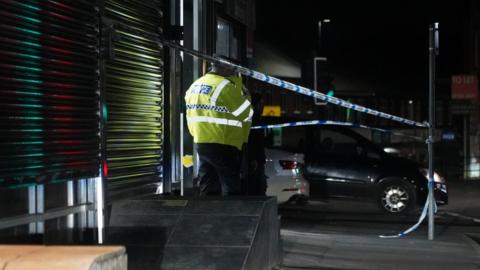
x: 338, y: 164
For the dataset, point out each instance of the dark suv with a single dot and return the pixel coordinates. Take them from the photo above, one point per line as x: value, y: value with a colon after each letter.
x: 342, y: 163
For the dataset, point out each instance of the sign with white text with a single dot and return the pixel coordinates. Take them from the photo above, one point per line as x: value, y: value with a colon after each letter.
x: 465, y: 87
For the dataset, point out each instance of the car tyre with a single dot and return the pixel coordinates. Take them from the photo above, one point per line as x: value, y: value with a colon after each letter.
x: 396, y: 197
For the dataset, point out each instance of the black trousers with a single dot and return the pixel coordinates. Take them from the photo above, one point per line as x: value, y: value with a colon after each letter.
x: 257, y: 180
x: 219, y: 169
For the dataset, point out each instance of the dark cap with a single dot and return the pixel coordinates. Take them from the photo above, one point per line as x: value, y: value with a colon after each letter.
x: 221, y: 68
x: 225, y: 58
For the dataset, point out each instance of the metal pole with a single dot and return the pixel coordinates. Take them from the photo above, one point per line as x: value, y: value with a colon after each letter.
x: 181, y: 156
x: 315, y: 78
x: 40, y: 204
x: 32, y: 208
x: 319, y: 45
x: 70, y: 202
x: 431, y: 100
x: 315, y: 86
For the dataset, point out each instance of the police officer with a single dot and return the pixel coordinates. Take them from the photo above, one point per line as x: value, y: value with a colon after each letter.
x: 218, y: 118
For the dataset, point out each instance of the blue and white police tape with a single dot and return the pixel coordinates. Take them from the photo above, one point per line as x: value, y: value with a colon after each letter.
x: 337, y: 123
x: 420, y: 219
x: 293, y: 87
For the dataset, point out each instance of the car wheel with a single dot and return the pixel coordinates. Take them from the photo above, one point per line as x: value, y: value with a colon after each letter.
x: 396, y: 197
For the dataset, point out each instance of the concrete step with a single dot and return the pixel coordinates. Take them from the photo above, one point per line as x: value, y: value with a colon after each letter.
x: 36, y: 257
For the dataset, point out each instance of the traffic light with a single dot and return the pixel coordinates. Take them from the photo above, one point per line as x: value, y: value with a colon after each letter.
x: 322, y: 79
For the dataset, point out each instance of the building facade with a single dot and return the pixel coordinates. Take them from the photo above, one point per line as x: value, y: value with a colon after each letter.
x: 92, y: 105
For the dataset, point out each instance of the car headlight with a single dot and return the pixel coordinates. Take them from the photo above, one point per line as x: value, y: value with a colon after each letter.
x: 437, y: 178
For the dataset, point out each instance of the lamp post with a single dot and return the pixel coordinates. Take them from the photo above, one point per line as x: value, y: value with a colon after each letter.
x: 320, y: 58
x: 322, y: 28
x: 433, y: 52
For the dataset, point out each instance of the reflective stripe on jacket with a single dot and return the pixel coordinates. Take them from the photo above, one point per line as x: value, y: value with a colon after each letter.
x: 217, y: 110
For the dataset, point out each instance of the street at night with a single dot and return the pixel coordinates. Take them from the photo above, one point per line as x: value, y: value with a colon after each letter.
x: 342, y: 234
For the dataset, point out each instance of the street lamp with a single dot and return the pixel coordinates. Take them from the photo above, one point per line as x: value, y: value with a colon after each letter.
x: 320, y: 61
x: 322, y: 24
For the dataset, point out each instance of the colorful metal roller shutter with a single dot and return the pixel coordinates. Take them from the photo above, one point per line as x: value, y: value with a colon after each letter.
x: 134, y: 95
x: 49, y: 91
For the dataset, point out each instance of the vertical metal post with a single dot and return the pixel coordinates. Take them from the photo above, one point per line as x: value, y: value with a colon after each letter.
x: 98, y: 186
x: 70, y: 202
x: 32, y: 208
x: 433, y: 46
x: 168, y: 186
x: 197, y: 34
x: 466, y: 146
x: 91, y: 198
x: 322, y: 28
x: 40, y: 206
x: 181, y: 156
x: 199, y: 26
x: 100, y: 207
x: 82, y: 199
x: 315, y: 86
x: 175, y: 17
x: 181, y: 24
x: 315, y: 80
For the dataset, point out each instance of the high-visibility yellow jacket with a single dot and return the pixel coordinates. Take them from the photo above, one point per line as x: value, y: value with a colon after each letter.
x: 218, y: 111
x: 247, y: 123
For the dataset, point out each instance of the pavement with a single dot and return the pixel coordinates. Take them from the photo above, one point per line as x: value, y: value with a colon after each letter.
x: 343, y: 234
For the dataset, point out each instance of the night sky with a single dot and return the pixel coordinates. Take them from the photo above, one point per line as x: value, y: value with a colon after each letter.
x: 383, y: 41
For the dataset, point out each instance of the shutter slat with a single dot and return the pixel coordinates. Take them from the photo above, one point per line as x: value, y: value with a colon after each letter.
x: 49, y: 105
x: 134, y: 93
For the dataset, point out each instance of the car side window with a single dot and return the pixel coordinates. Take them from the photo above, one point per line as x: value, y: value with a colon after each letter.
x: 342, y: 145
x: 334, y: 143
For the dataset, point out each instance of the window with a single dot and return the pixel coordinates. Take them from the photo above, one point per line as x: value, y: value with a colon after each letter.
x: 333, y: 143
x: 227, y: 43
x: 234, y: 50
x: 223, y: 37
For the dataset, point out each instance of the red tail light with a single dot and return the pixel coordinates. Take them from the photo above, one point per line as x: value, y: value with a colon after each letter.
x: 288, y: 164
x: 105, y: 168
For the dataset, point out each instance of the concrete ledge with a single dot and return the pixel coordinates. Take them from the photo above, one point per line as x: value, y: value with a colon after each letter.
x: 29, y: 257
x: 190, y: 233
